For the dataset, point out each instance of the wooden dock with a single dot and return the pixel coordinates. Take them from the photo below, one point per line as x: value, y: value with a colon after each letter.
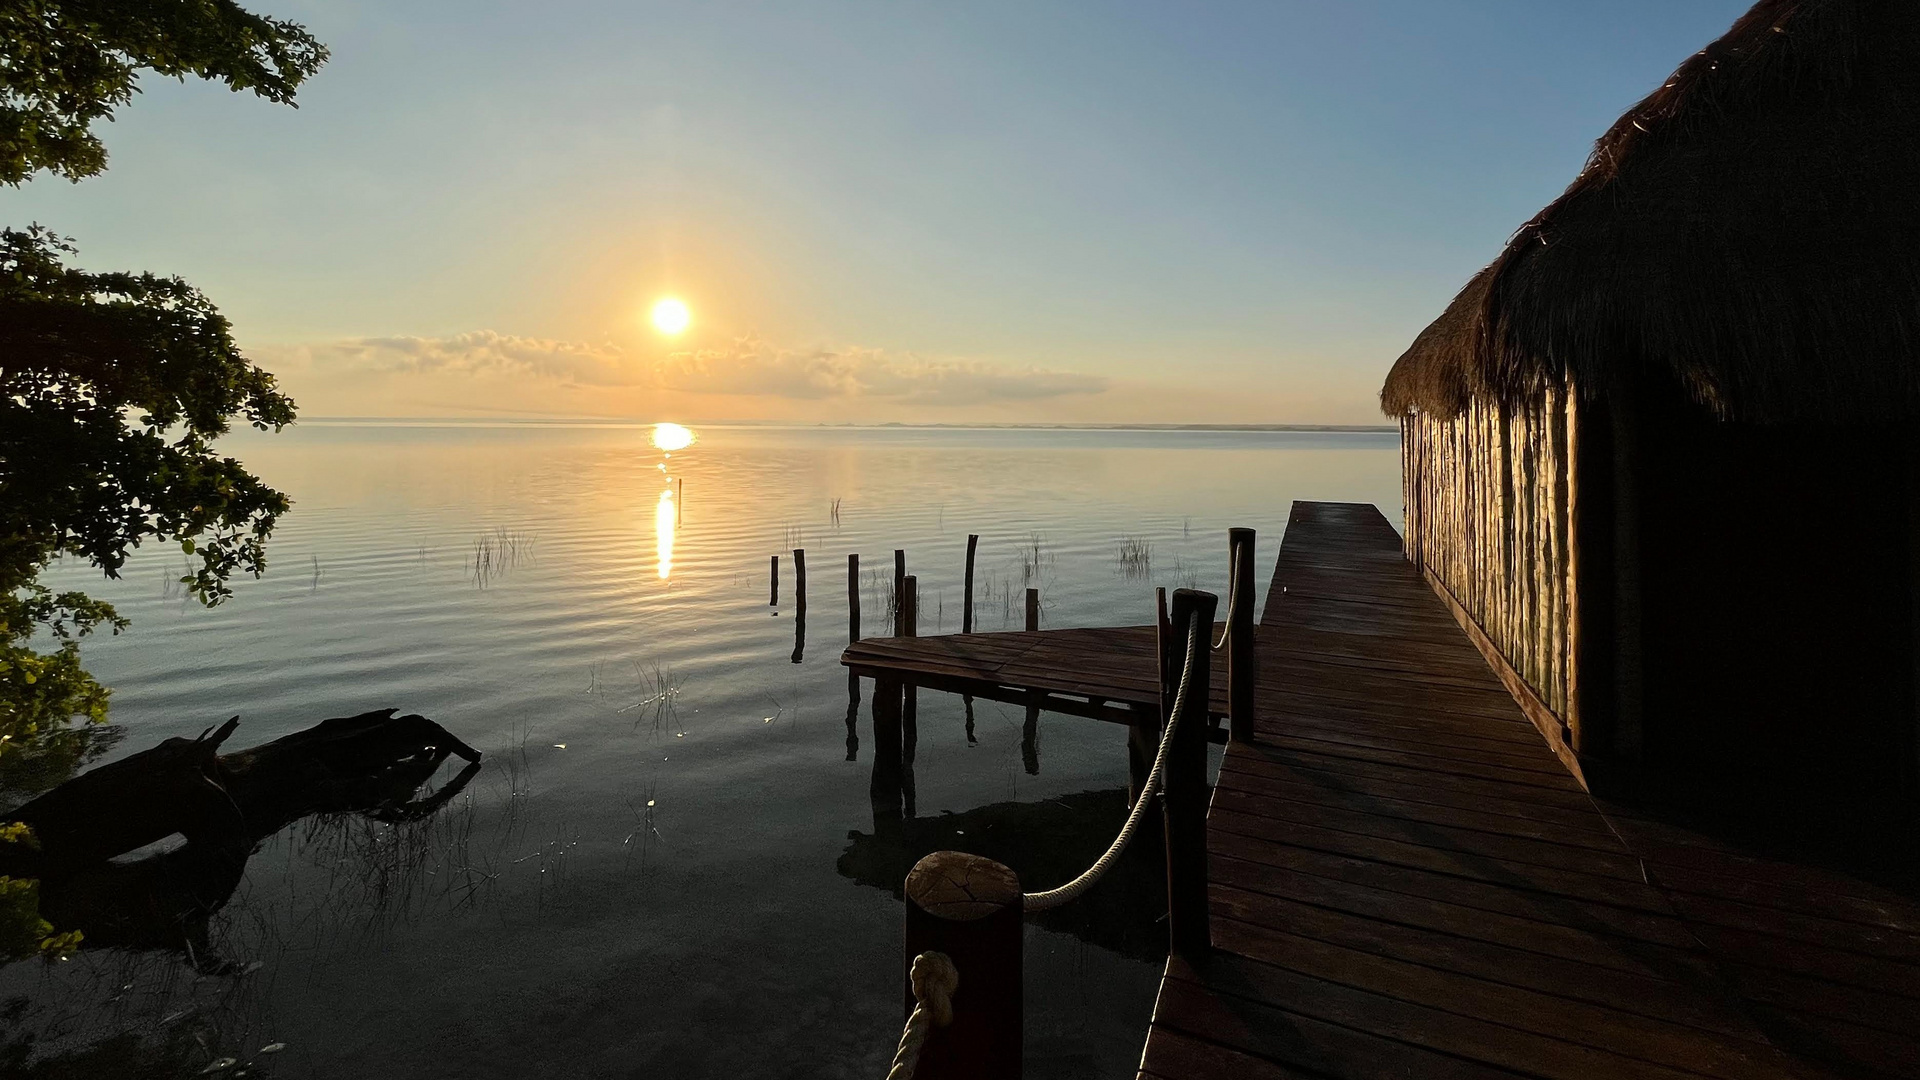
x: 1406, y: 881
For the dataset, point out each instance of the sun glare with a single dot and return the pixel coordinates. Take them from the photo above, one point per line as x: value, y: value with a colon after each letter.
x: 670, y: 316
x: 671, y: 437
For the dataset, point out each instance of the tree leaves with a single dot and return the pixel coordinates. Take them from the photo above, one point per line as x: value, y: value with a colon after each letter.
x: 65, y: 64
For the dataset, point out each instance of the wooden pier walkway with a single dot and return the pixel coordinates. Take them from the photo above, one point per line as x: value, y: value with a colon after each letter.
x: 1405, y: 881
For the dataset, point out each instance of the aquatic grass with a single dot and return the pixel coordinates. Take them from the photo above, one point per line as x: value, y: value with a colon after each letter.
x: 496, y: 553
x: 1135, y: 558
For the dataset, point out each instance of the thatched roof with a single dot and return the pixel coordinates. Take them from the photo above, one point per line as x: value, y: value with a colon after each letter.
x: 1752, y: 228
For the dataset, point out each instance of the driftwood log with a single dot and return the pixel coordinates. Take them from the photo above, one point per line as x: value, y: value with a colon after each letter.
x: 222, y: 806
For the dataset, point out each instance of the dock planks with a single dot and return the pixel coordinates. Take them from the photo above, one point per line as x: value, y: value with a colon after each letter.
x: 1405, y: 881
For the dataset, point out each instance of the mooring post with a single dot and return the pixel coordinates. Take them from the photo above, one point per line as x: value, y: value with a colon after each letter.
x: 679, y: 500
x: 899, y: 584
x: 800, y: 582
x: 1033, y: 609
x: 966, y: 610
x: 853, y: 599
x: 774, y: 601
x: 1242, y: 670
x: 884, y: 790
x: 969, y: 908
x: 1184, y: 800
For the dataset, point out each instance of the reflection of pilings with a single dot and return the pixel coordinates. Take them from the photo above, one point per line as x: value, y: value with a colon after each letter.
x: 853, y: 717
x: 885, y: 786
x: 966, y: 702
x: 853, y: 635
x: 799, y: 637
x: 1030, y: 731
x: 910, y: 697
x: 774, y: 601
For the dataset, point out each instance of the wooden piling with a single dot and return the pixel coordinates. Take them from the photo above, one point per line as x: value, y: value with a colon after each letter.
x: 853, y: 598
x: 899, y: 584
x: 969, y: 908
x: 679, y: 500
x: 774, y: 601
x: 1143, y: 734
x: 800, y: 582
x: 1241, y: 658
x: 966, y: 612
x: 1184, y: 800
x: 1033, y: 609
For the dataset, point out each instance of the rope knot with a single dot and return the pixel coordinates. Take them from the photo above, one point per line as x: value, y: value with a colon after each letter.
x: 934, y: 981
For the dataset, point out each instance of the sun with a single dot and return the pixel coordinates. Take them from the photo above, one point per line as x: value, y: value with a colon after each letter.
x: 671, y: 437
x: 670, y: 316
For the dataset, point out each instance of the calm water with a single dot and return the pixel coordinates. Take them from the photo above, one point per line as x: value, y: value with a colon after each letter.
x: 667, y: 864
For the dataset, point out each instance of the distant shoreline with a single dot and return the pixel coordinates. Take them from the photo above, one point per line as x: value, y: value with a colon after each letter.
x: 596, y: 421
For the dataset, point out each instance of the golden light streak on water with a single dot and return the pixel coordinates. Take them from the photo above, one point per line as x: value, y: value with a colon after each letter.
x: 663, y: 521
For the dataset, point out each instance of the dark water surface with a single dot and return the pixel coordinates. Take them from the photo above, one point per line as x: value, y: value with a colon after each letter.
x: 666, y: 864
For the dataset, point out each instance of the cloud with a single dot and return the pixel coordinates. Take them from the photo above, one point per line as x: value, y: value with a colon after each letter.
x: 753, y: 367
x: 486, y: 352
x: 746, y: 368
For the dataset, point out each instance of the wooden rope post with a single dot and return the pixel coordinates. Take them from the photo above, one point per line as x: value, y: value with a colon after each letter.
x: 966, y: 610
x: 1184, y: 799
x: 969, y: 908
x: 1033, y: 609
x: 1242, y: 673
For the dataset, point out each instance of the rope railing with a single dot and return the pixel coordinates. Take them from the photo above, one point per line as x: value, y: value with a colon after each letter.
x: 934, y: 982
x: 1053, y: 898
x: 1233, y: 600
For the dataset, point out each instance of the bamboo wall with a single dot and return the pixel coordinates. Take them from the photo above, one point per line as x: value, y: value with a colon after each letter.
x: 1488, y: 512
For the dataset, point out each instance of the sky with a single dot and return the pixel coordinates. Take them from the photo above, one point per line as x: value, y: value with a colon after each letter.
x: 974, y: 212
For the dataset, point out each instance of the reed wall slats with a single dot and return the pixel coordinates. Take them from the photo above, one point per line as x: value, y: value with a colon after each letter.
x: 1488, y: 511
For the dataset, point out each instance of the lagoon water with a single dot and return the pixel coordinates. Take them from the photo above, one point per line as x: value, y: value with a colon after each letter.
x: 666, y: 864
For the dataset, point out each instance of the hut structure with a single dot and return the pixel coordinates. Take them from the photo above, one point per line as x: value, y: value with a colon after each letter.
x: 1662, y: 455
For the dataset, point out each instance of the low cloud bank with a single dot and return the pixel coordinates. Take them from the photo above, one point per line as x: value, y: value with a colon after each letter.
x: 747, y: 367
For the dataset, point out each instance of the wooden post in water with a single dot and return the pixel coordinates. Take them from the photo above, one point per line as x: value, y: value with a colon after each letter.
x: 966, y: 612
x: 1033, y: 609
x: 1184, y: 801
x: 1241, y: 660
x: 679, y: 500
x: 799, y: 605
x: 775, y: 600
x: 899, y: 585
x: 800, y: 582
x: 969, y: 908
x: 853, y: 598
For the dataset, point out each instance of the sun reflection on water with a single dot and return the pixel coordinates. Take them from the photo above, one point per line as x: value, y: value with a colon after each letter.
x: 666, y: 513
x: 663, y: 524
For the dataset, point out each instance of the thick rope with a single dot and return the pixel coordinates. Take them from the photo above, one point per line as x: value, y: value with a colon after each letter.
x: 934, y: 981
x: 1233, y: 597
x: 1053, y: 898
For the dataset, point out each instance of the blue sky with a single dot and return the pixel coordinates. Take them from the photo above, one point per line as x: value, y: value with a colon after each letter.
x: 979, y: 211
